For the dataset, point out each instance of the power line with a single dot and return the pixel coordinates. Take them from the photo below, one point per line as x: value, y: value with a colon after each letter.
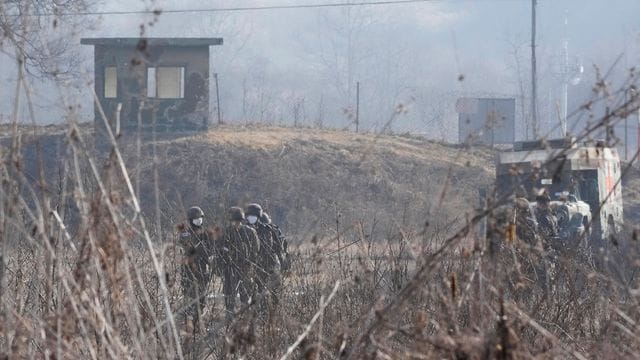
x: 236, y: 9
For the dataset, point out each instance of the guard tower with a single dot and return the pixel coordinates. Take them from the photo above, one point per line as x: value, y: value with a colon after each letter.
x: 146, y: 84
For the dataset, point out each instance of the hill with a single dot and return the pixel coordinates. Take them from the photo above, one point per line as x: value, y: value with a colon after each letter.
x: 314, y: 181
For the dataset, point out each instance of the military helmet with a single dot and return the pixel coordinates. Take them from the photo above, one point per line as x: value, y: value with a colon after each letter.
x: 235, y: 214
x: 522, y: 203
x: 543, y: 198
x: 265, y: 218
x: 194, y: 212
x: 254, y: 209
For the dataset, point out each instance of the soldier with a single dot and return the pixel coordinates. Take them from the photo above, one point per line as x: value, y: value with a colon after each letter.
x: 526, y: 224
x: 547, y: 221
x: 283, y: 256
x: 268, y: 270
x: 265, y: 218
x: 197, y: 249
x: 238, y: 249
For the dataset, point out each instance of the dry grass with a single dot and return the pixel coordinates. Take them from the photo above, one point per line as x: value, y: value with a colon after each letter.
x: 270, y: 138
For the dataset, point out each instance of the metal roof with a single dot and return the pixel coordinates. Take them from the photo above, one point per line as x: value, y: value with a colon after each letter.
x: 580, y: 157
x: 134, y: 42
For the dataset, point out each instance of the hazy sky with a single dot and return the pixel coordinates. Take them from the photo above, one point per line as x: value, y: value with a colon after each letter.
x: 410, y: 53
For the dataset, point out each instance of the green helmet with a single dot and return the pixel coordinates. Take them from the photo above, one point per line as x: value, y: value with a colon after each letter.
x: 194, y: 212
x: 235, y: 214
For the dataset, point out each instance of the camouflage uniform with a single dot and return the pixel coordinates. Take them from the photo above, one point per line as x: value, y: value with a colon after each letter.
x: 283, y: 254
x: 547, y: 222
x: 238, y: 249
x: 526, y: 224
x: 268, y: 278
x: 283, y: 258
x: 197, y: 249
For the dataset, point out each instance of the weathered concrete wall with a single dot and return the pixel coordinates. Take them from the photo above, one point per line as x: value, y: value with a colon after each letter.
x: 190, y: 113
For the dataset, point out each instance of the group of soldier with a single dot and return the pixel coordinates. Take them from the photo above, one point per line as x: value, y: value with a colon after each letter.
x: 248, y: 254
x: 536, y: 223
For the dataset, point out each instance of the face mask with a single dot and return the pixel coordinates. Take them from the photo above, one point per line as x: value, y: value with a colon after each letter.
x: 252, y: 219
x: 197, y: 222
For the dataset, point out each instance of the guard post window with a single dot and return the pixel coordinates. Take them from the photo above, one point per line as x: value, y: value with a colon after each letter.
x: 151, y: 82
x: 165, y: 82
x: 110, y: 82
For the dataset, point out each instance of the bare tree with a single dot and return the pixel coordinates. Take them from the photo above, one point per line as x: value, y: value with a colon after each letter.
x: 340, y: 50
x: 37, y: 32
x: 298, y: 111
x: 319, y: 121
x: 431, y: 109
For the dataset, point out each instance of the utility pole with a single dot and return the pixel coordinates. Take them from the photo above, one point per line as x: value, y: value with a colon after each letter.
x: 638, y: 139
x: 570, y: 74
x: 630, y: 102
x: 215, y: 75
x: 357, y: 105
x: 534, y: 96
x: 626, y: 129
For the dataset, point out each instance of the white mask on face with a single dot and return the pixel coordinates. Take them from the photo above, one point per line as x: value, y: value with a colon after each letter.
x: 252, y: 219
x: 197, y: 222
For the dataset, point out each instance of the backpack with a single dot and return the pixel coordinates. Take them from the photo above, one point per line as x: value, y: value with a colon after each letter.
x: 284, y: 256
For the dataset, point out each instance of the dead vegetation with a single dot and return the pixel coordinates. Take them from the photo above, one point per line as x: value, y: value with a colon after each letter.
x: 388, y: 264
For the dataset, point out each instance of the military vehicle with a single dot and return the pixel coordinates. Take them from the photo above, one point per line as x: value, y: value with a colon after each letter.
x: 583, y: 181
